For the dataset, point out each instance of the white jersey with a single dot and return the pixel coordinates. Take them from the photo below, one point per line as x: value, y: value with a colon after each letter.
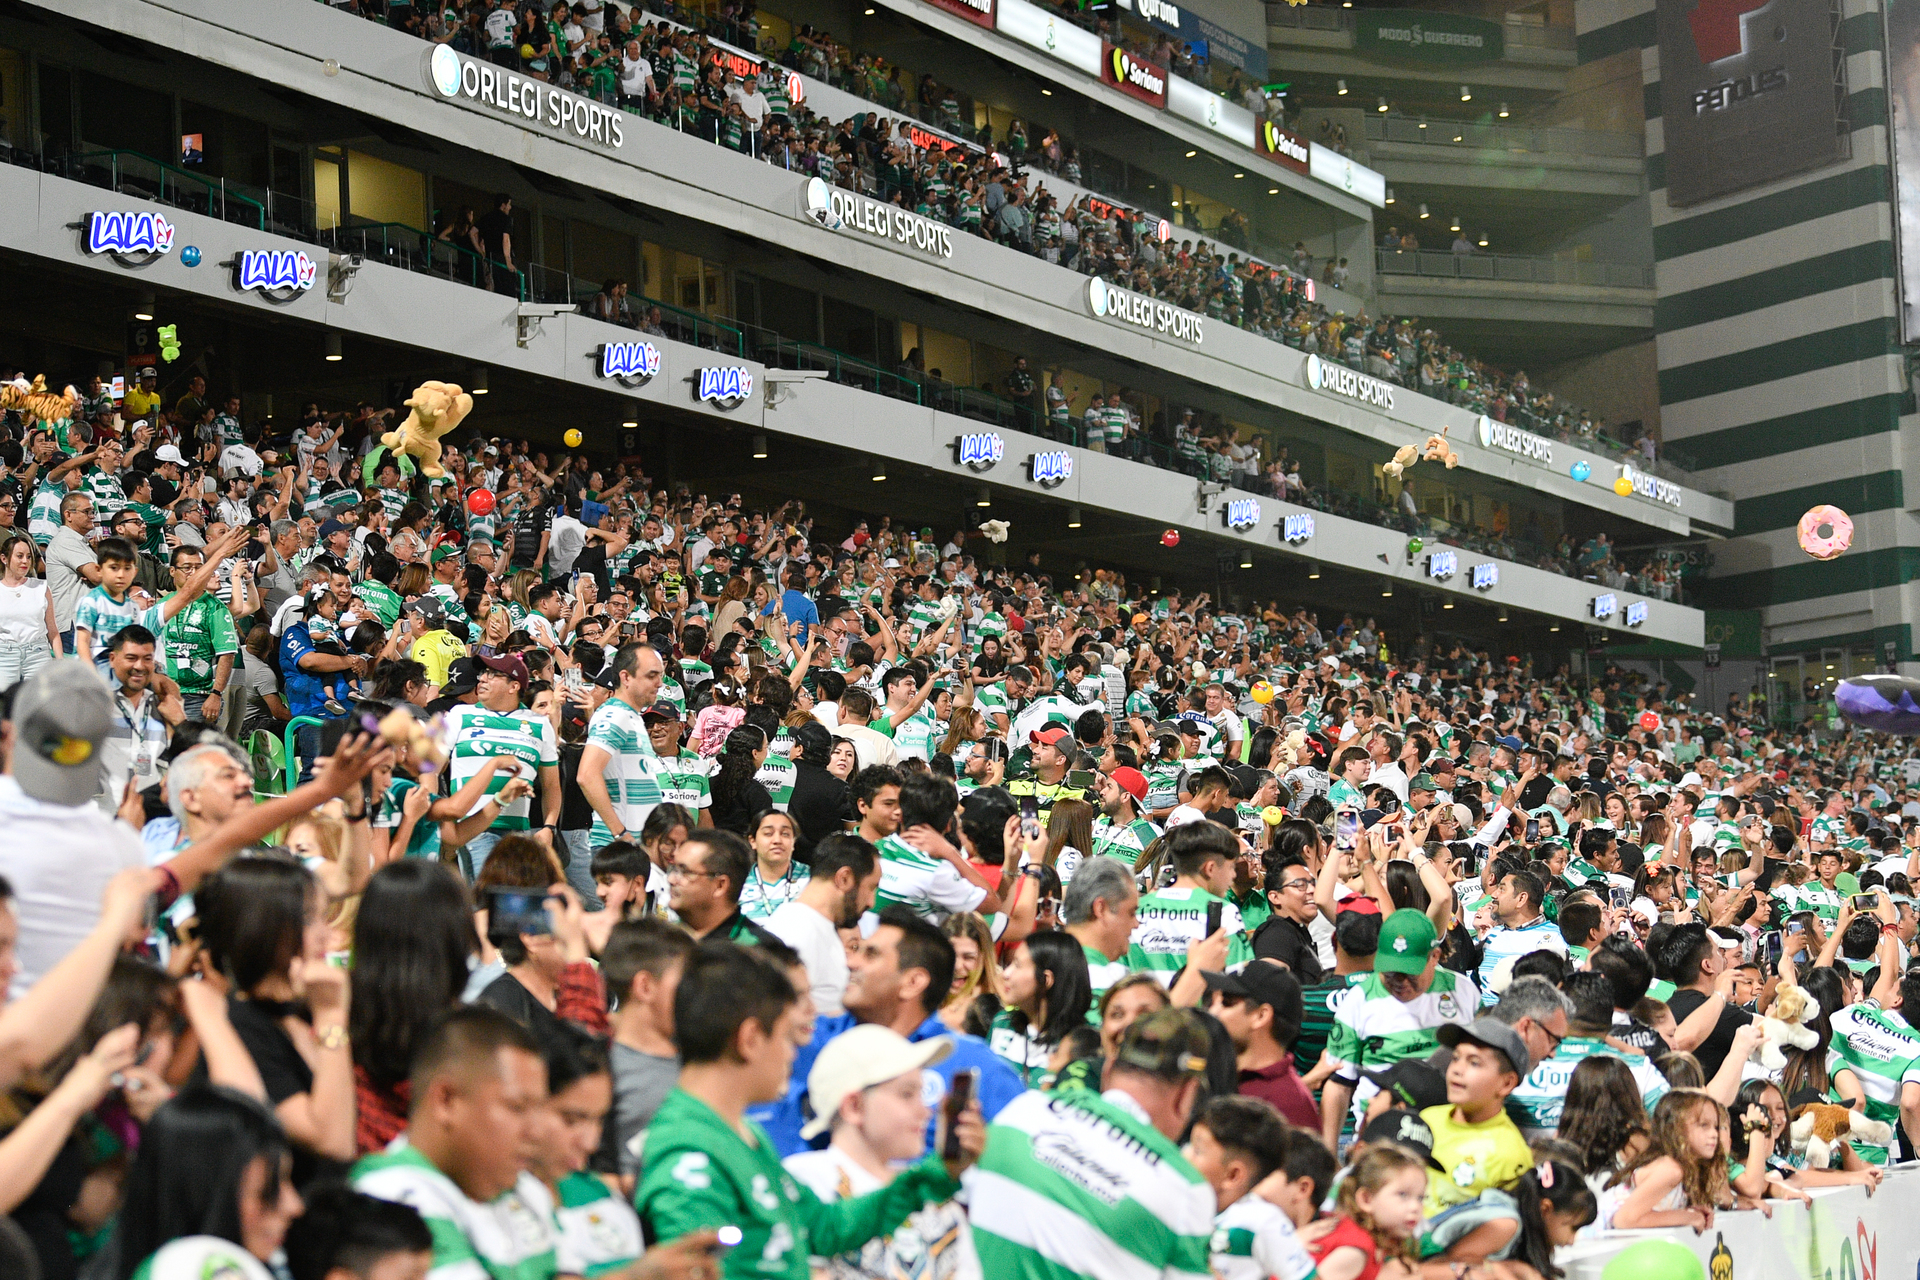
x: 1254, y: 1240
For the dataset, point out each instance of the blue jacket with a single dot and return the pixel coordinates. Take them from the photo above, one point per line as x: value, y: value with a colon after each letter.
x: 999, y: 1083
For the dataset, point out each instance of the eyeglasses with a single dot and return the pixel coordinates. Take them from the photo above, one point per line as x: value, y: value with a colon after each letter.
x: 688, y: 873
x: 1296, y: 884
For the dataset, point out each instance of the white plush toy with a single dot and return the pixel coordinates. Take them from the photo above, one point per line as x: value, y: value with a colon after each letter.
x: 1785, y: 1023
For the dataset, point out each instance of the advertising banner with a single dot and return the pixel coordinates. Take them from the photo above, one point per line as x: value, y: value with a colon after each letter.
x: 1449, y: 38
x: 980, y: 11
x: 1903, y: 93
x: 1283, y: 147
x: 1748, y: 93
x: 1133, y: 75
x: 1049, y: 32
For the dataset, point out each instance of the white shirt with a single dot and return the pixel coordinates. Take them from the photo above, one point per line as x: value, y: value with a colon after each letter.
x: 634, y: 73
x: 818, y: 942
x: 58, y: 858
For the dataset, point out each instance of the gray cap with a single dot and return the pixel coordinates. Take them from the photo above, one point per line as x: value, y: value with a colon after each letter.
x: 1493, y: 1034
x: 60, y: 719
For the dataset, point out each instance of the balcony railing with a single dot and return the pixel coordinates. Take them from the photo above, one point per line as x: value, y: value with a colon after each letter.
x: 1308, y: 17
x: 1503, y: 137
x: 134, y: 174
x: 1503, y: 266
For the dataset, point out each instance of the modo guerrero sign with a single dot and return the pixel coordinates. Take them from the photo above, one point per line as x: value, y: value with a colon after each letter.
x: 1428, y: 37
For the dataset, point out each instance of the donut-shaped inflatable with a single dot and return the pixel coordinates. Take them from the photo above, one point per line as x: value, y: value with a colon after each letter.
x: 1825, y: 532
x: 1887, y: 703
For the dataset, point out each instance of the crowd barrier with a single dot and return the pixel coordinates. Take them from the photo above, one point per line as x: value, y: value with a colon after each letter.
x: 1845, y: 1234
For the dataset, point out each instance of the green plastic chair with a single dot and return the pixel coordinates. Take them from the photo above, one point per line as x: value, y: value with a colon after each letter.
x: 267, y: 756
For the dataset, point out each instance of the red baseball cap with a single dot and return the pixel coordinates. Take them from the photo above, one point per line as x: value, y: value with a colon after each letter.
x: 1049, y: 734
x: 1359, y: 903
x: 1131, y: 781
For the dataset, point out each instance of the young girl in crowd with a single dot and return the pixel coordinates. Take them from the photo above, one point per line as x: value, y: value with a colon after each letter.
x: 1681, y: 1176
x: 1603, y: 1119
x: 1771, y: 1160
x: 976, y: 970
x: 1378, y: 1221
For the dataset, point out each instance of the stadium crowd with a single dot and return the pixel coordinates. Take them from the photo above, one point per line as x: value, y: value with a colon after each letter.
x: 892, y: 910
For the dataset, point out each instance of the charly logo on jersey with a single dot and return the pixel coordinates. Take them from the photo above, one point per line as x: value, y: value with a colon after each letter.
x: 1050, y: 469
x: 979, y: 450
x: 631, y: 364
x: 724, y: 386
x: 131, y: 239
x: 275, y: 274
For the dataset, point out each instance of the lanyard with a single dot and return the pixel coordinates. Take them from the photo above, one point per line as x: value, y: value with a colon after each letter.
x: 139, y: 726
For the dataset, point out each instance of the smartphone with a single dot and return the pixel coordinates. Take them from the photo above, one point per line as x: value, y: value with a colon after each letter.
x: 1865, y: 901
x: 1620, y: 897
x: 1775, y: 947
x: 518, y: 910
x: 1216, y: 913
x: 1030, y: 817
x: 1533, y: 830
x: 1082, y: 778
x: 1346, y: 830
x: 1796, y: 926
x: 959, y: 1095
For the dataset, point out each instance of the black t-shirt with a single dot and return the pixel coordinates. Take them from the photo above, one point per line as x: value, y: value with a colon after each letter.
x: 1713, y: 1051
x: 494, y: 228
x: 1289, y: 942
x: 282, y: 1070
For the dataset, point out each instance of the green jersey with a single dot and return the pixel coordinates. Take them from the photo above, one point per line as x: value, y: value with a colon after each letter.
x: 1173, y: 919
x: 382, y: 600
x: 1820, y: 900
x: 634, y: 773
x: 387, y: 815
x: 1015, y: 1044
x: 1372, y: 1029
x: 1068, y: 1177
x: 1543, y: 1093
x: 1342, y: 792
x: 1882, y: 1050
x: 599, y: 1232
x: 928, y: 885
x: 156, y: 540
x: 1126, y: 842
x: 699, y: 1172
x: 511, y: 1238
x: 194, y: 640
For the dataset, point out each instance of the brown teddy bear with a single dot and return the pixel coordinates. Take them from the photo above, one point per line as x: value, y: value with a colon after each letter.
x: 1821, y: 1127
x: 1438, y: 450
x: 437, y: 408
x: 1405, y: 457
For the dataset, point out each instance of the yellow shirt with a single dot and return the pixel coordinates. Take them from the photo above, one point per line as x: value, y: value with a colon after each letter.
x: 436, y: 651
x: 139, y: 404
x: 1472, y: 1157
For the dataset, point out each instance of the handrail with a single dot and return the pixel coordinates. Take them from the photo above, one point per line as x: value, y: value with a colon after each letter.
x: 395, y: 244
x: 122, y: 179
x: 1438, y: 130
x: 1526, y: 268
x: 293, y: 757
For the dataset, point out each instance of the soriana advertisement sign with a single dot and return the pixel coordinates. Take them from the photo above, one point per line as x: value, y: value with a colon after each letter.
x: 1133, y: 75
x: 980, y: 11
x: 1282, y: 146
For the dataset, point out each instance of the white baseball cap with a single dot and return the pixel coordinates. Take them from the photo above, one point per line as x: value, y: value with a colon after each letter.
x: 169, y: 453
x: 858, y: 1059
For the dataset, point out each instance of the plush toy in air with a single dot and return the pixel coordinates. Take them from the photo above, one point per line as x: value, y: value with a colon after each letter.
x: 1293, y: 751
x: 426, y: 741
x: 1786, y: 1024
x: 37, y: 403
x: 1819, y: 1128
x: 1403, y: 458
x: 437, y: 408
x: 1438, y: 450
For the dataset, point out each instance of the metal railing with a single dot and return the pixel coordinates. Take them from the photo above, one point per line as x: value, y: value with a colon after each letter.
x: 395, y: 244
x: 1503, y: 137
x: 134, y: 174
x: 1513, y: 267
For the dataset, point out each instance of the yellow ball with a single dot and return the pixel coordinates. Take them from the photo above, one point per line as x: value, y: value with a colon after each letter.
x: 1623, y: 487
x: 1262, y: 692
x: 573, y: 437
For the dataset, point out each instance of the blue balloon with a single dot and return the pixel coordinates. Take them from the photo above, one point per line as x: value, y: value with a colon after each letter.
x: 1886, y: 703
x: 190, y: 255
x: 1581, y: 471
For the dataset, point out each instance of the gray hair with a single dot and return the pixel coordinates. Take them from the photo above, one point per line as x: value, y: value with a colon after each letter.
x: 1560, y: 798
x: 1531, y: 997
x: 281, y: 528
x: 1099, y: 879
x: 189, y: 770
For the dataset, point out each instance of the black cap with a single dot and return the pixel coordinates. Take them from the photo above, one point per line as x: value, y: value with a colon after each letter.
x: 463, y: 676
x: 1263, y: 982
x: 1413, y: 1082
x: 1402, y: 1129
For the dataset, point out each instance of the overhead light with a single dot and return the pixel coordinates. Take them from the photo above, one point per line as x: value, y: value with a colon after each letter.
x: 1313, y: 571
x: 333, y: 346
x: 1503, y: 111
x: 1383, y: 105
x: 759, y: 445
x: 1456, y: 223
x: 1460, y: 137
x: 1239, y: 175
x: 1466, y: 94
x: 1046, y: 93
x: 1176, y: 204
x: 1447, y: 603
x: 1273, y: 191
x: 1192, y: 154
x: 1343, y: 87
x: 1503, y: 613
x: 629, y: 422
x: 1554, y: 627
x: 1386, y: 592
x: 879, y: 469
x: 1246, y: 558
x: 1423, y: 211
x: 477, y: 381
x: 1423, y: 124
x: 984, y: 498
x: 1389, y: 195
x: 1483, y: 239
x: 1073, y: 517
x: 143, y: 309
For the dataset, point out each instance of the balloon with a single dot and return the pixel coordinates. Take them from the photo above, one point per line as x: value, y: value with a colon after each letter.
x: 1889, y: 704
x: 1825, y: 532
x: 1581, y: 470
x: 1262, y: 692
x: 1414, y: 546
x: 1171, y: 538
x: 480, y: 502
x: 1623, y: 487
x: 573, y: 437
x: 1649, y: 720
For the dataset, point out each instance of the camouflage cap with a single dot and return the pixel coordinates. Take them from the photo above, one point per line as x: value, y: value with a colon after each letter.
x: 1169, y: 1043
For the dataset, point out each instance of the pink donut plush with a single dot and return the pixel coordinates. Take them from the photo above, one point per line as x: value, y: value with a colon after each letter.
x: 1825, y: 532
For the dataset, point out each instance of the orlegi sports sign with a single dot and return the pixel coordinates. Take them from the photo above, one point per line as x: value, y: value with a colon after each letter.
x: 1124, y: 306
x: 1133, y: 75
x: 1498, y: 435
x: 1324, y: 375
x: 1652, y: 486
x: 838, y: 210
x: 453, y: 75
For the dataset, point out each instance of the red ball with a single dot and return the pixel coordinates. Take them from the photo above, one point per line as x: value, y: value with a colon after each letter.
x: 480, y: 502
x: 1649, y: 720
x: 1171, y: 538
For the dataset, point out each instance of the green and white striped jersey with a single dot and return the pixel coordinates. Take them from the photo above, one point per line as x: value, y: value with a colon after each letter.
x: 1075, y: 1185
x: 1883, y: 1051
x: 919, y: 735
x: 1828, y: 828
x: 1543, y: 1093
x: 1101, y: 974
x: 685, y: 779
x: 1372, y: 1029
x: 777, y: 775
x: 989, y: 700
x: 1163, y: 786
x: 1173, y: 919
x: 929, y: 886
x: 634, y: 774
x: 511, y: 1238
x: 479, y: 734
x: 1128, y: 842
x: 1254, y: 1240
x: 599, y: 1232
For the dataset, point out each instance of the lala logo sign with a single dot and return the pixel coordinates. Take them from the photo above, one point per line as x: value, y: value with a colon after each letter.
x: 1050, y: 470
x: 1636, y: 613
x: 979, y: 451
x: 727, y: 387
x: 133, y: 239
x: 1604, y: 606
x: 631, y: 364
x: 1443, y: 564
x: 1485, y: 576
x: 278, y: 274
x: 1296, y: 528
x: 1241, y: 513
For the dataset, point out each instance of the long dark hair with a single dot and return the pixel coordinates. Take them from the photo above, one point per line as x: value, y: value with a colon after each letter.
x: 1806, y: 1069
x: 185, y: 1179
x: 411, y: 942
x: 737, y: 766
x: 1066, y: 991
x: 1561, y: 1186
x: 253, y: 916
x: 1602, y: 1112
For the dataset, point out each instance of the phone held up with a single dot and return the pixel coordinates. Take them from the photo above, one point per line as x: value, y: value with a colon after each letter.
x: 959, y: 1096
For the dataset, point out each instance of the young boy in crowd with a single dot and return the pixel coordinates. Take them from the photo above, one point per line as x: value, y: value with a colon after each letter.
x: 642, y: 963
x: 1300, y: 1185
x: 1475, y: 1144
x: 622, y: 875
x: 348, y: 1235
x: 108, y: 608
x: 1236, y: 1142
